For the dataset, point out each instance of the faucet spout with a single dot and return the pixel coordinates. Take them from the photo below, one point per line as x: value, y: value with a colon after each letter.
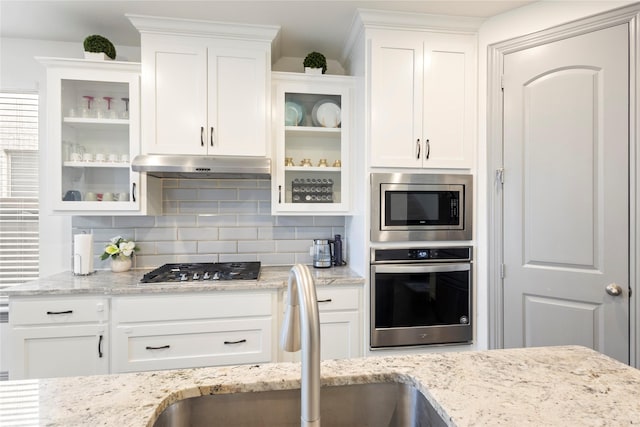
x: 301, y: 328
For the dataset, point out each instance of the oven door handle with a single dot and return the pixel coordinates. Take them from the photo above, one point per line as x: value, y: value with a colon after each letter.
x: 412, y: 268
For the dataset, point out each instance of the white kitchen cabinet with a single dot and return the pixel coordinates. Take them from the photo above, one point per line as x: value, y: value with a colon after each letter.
x: 58, y: 336
x: 312, y: 122
x: 205, y: 87
x: 93, y: 132
x: 422, y: 99
x: 340, y: 315
x: 185, y: 331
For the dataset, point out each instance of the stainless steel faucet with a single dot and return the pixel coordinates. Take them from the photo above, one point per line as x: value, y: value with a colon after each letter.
x: 301, y: 320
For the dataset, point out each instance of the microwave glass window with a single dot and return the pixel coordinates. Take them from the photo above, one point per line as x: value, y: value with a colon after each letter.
x: 421, y: 299
x: 421, y: 208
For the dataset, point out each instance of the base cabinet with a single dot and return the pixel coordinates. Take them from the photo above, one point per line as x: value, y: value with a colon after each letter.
x: 57, y: 337
x: 187, y: 331
x: 340, y: 324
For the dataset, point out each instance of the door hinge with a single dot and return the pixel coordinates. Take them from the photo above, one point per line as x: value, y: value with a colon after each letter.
x: 500, y: 175
x: 502, y: 271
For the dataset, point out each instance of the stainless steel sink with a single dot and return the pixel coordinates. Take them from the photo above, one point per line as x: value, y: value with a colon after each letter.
x: 371, y: 405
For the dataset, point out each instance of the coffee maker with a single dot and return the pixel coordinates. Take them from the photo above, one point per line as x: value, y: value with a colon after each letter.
x: 322, y: 252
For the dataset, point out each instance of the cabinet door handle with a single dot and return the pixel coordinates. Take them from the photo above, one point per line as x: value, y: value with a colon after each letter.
x: 279, y: 193
x: 324, y: 300
x: 418, y: 148
x: 428, y: 148
x: 59, y: 312
x: 211, y: 136
x: 162, y: 347
x: 202, y: 136
x: 133, y: 191
x: 100, y: 346
x: 235, y: 342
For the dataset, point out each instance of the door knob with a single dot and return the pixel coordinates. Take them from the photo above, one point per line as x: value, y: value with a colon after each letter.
x: 614, y: 289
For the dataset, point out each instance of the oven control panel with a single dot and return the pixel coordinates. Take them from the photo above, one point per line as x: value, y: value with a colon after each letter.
x: 426, y: 254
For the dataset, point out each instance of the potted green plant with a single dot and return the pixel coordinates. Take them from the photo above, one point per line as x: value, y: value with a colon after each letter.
x: 315, y: 63
x: 98, y: 47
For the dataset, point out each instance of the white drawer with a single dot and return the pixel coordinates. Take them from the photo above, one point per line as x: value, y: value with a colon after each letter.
x: 44, y: 311
x: 191, y: 344
x: 334, y: 299
x: 169, y: 307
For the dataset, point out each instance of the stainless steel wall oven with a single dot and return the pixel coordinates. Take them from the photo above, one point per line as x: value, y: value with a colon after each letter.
x: 414, y: 207
x: 421, y: 296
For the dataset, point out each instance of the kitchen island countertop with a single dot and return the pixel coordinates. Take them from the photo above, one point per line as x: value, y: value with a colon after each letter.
x: 104, y: 282
x: 546, y: 386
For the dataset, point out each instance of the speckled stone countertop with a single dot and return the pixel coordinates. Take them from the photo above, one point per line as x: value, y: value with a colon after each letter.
x: 107, y: 283
x: 547, y: 386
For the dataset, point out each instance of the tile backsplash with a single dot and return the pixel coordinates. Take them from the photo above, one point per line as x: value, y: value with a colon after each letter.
x: 213, y: 220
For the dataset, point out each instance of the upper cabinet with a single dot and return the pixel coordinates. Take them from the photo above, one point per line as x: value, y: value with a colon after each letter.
x: 422, y: 99
x: 93, y: 132
x: 205, y: 87
x: 312, y: 123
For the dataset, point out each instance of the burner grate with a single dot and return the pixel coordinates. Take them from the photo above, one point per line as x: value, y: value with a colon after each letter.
x: 207, y: 271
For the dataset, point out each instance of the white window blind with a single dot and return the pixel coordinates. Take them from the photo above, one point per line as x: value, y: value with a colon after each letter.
x: 19, y: 239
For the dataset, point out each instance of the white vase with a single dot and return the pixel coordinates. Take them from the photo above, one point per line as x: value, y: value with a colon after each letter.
x: 309, y: 70
x: 120, y: 264
x: 96, y: 56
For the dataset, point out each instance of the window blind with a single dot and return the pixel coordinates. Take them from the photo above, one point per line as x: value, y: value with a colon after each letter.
x: 19, y: 192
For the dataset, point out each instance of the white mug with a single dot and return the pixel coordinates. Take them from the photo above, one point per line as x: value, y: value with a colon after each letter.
x: 113, y: 157
x: 75, y: 157
x: 123, y: 197
x: 100, y: 157
x: 87, y: 157
x: 107, y: 197
x: 90, y: 197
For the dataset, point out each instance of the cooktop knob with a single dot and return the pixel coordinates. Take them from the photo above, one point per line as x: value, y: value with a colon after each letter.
x: 183, y: 277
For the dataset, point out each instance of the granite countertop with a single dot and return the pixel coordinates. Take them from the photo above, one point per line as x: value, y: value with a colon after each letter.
x: 104, y: 282
x: 546, y: 386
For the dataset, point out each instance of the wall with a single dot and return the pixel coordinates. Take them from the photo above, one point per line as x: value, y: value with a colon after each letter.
x: 213, y: 220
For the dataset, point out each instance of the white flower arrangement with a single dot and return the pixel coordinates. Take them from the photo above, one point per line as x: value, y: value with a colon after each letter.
x: 119, y: 247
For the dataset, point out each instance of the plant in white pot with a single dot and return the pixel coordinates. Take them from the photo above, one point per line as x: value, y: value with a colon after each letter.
x: 121, y: 252
x: 98, y: 47
x: 315, y: 63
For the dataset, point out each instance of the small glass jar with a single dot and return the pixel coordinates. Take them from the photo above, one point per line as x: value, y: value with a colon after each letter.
x: 288, y: 161
x: 306, y: 162
x: 337, y: 164
x: 323, y: 163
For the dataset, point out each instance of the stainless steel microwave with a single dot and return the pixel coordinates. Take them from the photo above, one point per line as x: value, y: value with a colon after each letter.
x: 421, y: 207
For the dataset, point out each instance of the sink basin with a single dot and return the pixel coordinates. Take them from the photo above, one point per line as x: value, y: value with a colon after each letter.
x: 380, y: 404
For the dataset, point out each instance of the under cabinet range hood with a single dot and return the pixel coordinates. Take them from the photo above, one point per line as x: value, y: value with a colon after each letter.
x: 190, y: 166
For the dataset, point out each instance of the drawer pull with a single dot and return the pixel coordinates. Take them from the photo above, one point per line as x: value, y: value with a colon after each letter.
x: 158, y: 348
x: 59, y: 312
x: 325, y: 300
x: 100, y: 346
x: 235, y: 342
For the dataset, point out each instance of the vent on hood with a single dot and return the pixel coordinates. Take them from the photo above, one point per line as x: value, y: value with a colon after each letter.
x: 187, y: 166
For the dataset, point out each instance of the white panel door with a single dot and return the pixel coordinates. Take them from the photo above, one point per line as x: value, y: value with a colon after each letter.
x: 237, y: 102
x: 566, y: 210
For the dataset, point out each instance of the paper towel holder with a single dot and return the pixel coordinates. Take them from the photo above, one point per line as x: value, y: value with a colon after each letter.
x: 79, y: 262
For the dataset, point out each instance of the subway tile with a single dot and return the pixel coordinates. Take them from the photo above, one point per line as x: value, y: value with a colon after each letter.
x: 146, y: 248
x: 257, y: 194
x: 255, y: 220
x: 176, y: 221
x: 276, y: 233
x: 133, y: 221
x: 170, y: 183
x: 294, y: 221
x: 304, y: 259
x: 217, y: 220
x: 104, y: 236
x: 313, y: 233
x: 293, y: 245
x: 256, y: 246
x: 155, y: 234
x: 197, y: 258
x: 329, y: 221
x: 248, y: 233
x: 239, y: 207
x: 179, y: 194
x: 198, y: 207
x: 153, y: 261
x: 211, y: 194
x: 169, y: 207
x: 198, y: 233
x: 264, y: 207
x: 92, y: 221
x: 277, y: 259
x: 177, y: 248
x: 238, y: 257
x: 216, y: 247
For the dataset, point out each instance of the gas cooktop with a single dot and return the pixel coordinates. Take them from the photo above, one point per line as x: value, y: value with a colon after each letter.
x: 204, y: 272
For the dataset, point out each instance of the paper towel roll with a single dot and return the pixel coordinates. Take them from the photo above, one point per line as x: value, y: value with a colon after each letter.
x: 83, y: 254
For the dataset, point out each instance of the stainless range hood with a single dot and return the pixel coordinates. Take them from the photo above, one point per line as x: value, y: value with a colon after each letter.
x: 189, y: 166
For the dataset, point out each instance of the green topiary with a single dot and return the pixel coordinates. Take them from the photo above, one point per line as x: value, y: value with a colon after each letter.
x: 316, y: 60
x: 96, y: 43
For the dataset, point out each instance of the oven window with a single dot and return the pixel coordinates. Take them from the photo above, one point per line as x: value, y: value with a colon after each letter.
x: 421, y: 299
x: 421, y: 208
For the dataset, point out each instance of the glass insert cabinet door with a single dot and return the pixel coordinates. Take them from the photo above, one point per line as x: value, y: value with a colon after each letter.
x: 312, y: 123
x: 93, y: 130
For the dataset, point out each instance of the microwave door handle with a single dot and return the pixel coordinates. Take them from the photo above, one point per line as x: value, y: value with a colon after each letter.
x: 404, y: 268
